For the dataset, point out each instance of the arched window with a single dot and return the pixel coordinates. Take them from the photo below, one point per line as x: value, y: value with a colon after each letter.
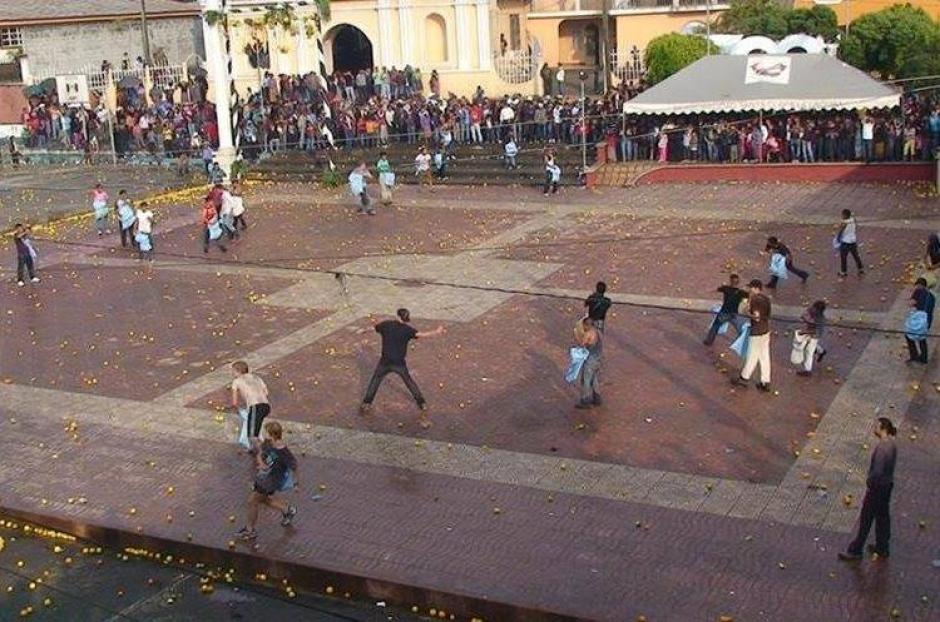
x: 435, y: 31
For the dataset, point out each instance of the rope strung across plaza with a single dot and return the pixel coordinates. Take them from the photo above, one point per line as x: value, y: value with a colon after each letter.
x: 341, y: 276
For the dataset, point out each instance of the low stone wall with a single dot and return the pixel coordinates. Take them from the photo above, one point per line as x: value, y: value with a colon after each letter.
x: 826, y: 172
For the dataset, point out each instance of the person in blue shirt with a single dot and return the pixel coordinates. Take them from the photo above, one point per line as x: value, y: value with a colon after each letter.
x: 921, y: 300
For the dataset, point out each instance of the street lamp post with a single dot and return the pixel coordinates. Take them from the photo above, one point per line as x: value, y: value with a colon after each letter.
x: 582, y: 75
x: 708, y: 27
x: 143, y: 29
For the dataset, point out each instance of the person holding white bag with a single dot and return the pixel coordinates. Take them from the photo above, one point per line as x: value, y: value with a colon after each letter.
x: 592, y: 340
x: 775, y: 247
x: 758, y: 339
x: 238, y: 209
x: 386, y: 178
x: 250, y: 391
x: 806, y: 340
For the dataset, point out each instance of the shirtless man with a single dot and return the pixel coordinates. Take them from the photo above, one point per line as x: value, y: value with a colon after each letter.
x: 250, y: 390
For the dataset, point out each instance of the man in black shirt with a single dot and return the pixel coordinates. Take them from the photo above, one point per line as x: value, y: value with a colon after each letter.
x: 597, y: 305
x: 395, y: 337
x: 732, y: 295
x: 775, y: 246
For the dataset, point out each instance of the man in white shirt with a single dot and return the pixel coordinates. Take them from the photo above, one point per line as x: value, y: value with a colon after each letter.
x: 238, y: 210
x: 145, y: 220
x: 506, y: 116
x: 250, y: 390
x: 227, y: 214
x: 560, y: 81
x: 423, y: 167
x: 868, y: 138
x: 847, y: 239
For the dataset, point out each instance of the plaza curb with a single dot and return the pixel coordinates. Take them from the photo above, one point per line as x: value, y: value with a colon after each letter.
x: 311, y: 579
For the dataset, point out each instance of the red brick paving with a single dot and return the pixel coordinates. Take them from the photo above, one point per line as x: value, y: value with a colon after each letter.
x: 690, y: 258
x: 574, y: 555
x: 124, y: 332
x: 854, y: 172
x: 318, y: 236
x: 507, y: 391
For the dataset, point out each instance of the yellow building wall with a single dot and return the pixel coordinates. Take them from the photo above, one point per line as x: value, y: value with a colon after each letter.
x: 557, y: 40
x: 546, y: 31
x: 848, y: 10
x: 464, y: 83
x: 639, y: 30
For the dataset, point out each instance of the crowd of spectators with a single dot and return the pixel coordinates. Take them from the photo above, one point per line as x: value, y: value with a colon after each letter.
x: 382, y: 106
x: 909, y: 133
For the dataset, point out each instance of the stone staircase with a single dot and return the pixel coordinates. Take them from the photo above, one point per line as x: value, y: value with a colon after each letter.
x: 475, y: 164
x: 622, y: 174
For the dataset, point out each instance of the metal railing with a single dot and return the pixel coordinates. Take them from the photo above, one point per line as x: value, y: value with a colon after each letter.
x: 628, y: 65
x: 566, y: 6
x: 164, y: 76
x: 516, y: 66
x: 575, y: 6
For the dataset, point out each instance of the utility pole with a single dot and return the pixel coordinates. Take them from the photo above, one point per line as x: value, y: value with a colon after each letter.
x: 582, y: 76
x: 144, y: 33
x: 605, y: 41
x: 708, y: 28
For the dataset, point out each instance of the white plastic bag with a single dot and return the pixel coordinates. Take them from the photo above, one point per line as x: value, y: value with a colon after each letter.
x: 778, y: 266
x: 243, y: 428
x: 798, y: 352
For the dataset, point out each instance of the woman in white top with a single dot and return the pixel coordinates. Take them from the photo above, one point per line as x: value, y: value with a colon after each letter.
x: 848, y: 243
x: 238, y: 210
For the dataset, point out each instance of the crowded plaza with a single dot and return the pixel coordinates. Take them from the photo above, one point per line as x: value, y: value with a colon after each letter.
x: 347, y: 317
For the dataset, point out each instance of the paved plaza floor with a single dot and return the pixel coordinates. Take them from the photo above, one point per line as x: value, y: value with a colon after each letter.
x: 678, y: 499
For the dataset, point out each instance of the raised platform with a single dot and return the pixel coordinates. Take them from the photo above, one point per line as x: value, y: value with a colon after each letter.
x: 820, y: 172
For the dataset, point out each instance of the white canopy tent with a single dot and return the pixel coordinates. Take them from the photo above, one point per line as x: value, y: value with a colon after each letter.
x: 794, y: 82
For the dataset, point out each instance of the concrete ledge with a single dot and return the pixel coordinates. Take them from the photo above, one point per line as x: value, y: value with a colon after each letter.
x: 825, y: 172
x: 306, y: 578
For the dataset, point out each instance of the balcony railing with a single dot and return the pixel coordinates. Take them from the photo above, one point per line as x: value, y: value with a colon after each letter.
x: 628, y: 65
x: 566, y: 6
x: 582, y: 6
x: 516, y: 66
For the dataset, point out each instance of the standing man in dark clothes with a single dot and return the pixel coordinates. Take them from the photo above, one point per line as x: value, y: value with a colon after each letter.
x: 732, y: 295
x: 776, y: 246
x: 758, y: 341
x: 876, y: 506
x: 24, y: 257
x: 923, y: 300
x: 395, y: 337
x: 597, y: 305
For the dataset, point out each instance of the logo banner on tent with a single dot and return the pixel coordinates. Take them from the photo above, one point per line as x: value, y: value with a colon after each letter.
x: 772, y: 69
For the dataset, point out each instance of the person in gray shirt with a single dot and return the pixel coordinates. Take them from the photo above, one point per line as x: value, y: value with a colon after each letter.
x: 876, y: 506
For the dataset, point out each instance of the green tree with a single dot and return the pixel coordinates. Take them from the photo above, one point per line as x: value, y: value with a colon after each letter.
x: 891, y: 42
x: 754, y: 17
x: 667, y: 54
x: 819, y: 21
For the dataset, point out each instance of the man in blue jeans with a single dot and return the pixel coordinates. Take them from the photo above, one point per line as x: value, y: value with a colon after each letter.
x: 395, y: 337
x: 775, y: 246
x: 732, y: 295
